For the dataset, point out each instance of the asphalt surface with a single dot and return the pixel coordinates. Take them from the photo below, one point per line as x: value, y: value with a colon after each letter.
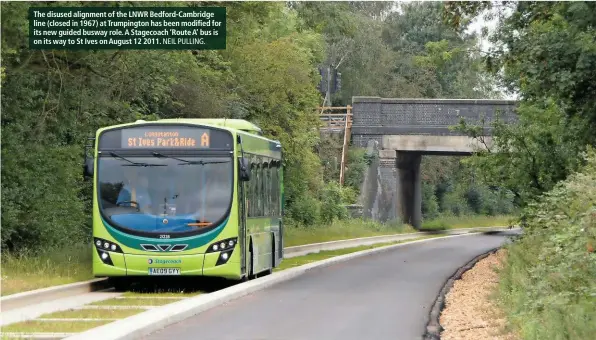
x: 381, y: 296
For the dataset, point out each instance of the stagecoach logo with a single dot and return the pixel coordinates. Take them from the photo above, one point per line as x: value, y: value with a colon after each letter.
x: 165, y: 221
x: 161, y: 261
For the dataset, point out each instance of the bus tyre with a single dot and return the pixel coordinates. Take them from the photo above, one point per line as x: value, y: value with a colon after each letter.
x: 121, y: 284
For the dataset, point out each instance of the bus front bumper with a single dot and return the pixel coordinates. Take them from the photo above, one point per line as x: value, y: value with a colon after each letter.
x: 220, y: 264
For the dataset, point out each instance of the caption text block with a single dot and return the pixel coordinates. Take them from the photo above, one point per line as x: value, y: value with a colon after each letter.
x: 173, y: 28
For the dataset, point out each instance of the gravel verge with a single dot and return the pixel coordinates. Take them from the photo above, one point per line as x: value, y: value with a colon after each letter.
x: 469, y: 312
x: 433, y: 327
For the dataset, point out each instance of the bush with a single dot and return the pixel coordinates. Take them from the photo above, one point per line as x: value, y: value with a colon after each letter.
x: 435, y: 225
x: 430, y: 204
x: 475, y: 199
x: 451, y: 187
x: 454, y: 202
x: 332, y: 203
x: 41, y: 191
x: 349, y: 195
x: 305, y: 210
x: 357, y: 164
x: 547, y: 287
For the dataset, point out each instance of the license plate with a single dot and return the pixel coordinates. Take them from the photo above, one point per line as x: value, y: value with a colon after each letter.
x: 164, y: 271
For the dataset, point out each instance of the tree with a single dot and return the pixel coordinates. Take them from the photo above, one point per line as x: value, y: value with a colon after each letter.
x: 53, y: 100
x: 547, y: 53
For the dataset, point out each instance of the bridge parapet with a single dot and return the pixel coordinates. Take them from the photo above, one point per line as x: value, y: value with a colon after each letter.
x: 375, y: 117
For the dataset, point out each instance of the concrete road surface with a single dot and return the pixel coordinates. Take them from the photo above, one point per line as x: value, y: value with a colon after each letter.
x: 381, y: 296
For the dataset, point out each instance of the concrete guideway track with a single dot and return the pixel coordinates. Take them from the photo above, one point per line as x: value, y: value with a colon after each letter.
x: 387, y: 295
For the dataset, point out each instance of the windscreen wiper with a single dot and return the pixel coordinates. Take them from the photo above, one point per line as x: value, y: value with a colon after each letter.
x: 204, y: 162
x: 187, y: 162
x: 161, y: 155
x: 113, y: 154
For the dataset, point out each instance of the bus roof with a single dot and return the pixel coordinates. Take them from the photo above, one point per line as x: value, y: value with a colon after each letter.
x: 238, y: 124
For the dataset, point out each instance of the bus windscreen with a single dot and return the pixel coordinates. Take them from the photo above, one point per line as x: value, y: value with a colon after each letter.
x: 165, y: 195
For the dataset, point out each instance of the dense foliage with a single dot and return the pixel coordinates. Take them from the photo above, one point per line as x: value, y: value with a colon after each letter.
x: 451, y: 188
x: 546, y: 51
x: 409, y: 53
x: 53, y: 100
x: 548, y: 287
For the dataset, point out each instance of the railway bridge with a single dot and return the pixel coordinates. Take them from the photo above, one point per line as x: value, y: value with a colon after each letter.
x: 399, y: 132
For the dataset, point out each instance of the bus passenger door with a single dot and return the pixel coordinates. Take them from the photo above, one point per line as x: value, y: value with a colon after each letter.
x: 242, y: 224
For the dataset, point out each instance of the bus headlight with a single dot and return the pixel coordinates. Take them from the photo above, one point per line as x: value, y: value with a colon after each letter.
x: 224, y: 257
x: 105, y: 257
x: 105, y: 245
x: 222, y: 245
x: 103, y: 248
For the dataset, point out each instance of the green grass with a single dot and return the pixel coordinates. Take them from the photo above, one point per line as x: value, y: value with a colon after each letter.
x: 49, y: 268
x: 135, y: 302
x: 458, y: 222
x: 340, y: 230
x: 323, y: 255
x: 92, y: 314
x: 34, y: 326
x: 355, y: 228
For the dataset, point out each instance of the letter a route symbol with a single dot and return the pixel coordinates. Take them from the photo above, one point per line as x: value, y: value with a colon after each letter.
x: 205, y: 139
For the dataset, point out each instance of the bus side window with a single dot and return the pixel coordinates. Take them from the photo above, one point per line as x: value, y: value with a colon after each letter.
x: 259, y: 194
x: 261, y: 191
x: 266, y: 192
x: 275, y: 188
x: 250, y: 192
x: 271, y: 188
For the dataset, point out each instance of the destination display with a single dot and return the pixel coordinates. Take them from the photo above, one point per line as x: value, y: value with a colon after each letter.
x: 160, y: 138
x: 165, y: 137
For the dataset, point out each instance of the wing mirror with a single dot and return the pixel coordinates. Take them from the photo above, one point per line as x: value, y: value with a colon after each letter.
x: 88, y: 167
x: 244, y: 169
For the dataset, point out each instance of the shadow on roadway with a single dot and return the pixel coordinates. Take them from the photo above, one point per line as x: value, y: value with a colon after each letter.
x: 186, y: 284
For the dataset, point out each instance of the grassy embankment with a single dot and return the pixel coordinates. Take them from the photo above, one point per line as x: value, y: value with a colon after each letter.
x: 547, y: 288
x: 59, y: 266
x: 454, y: 222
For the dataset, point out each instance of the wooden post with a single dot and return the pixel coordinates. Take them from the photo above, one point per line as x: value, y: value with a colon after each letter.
x: 344, y: 150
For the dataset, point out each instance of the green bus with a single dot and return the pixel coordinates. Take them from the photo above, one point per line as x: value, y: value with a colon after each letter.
x: 194, y: 197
